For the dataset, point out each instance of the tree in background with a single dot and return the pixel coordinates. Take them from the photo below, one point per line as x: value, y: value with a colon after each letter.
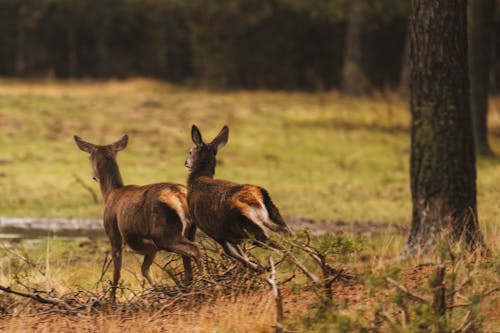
x: 481, y: 18
x: 405, y: 73
x: 442, y: 165
x: 354, y: 79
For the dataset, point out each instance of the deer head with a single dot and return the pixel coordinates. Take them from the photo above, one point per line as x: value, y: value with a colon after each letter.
x: 202, y: 155
x: 103, y: 159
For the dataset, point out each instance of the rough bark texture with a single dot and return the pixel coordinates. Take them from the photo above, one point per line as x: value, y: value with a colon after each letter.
x: 354, y: 80
x: 442, y: 166
x: 480, y: 16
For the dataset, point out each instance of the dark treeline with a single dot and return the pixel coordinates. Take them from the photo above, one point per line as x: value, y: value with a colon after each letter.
x: 273, y: 44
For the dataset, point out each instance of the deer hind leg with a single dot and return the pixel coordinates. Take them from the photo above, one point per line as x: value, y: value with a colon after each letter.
x: 146, y: 264
x: 187, y: 249
x: 146, y: 247
x: 237, y: 253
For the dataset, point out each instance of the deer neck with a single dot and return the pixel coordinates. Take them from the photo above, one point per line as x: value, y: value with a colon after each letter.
x: 109, y: 177
x: 206, y: 169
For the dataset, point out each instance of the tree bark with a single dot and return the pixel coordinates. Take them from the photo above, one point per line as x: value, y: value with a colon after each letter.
x: 442, y: 163
x: 354, y: 79
x: 481, y: 17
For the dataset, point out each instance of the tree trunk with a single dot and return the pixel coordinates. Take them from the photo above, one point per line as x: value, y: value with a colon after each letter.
x: 481, y: 16
x: 354, y: 80
x: 442, y: 165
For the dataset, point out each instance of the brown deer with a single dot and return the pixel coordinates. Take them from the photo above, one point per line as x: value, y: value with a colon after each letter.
x: 227, y: 212
x: 146, y: 218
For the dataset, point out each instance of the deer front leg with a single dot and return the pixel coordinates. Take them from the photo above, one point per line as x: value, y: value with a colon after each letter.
x: 117, y: 263
x: 146, y: 264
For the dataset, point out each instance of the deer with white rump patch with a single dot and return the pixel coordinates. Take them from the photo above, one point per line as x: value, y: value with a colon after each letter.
x: 146, y: 219
x: 227, y: 212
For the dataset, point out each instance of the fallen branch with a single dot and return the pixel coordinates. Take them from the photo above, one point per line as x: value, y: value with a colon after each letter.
x: 313, y: 278
x: 41, y: 299
x: 411, y: 295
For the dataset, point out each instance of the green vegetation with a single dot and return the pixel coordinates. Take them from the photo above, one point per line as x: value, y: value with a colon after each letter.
x: 320, y: 155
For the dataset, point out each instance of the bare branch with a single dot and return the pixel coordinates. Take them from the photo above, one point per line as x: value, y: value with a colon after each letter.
x: 408, y: 292
x: 41, y: 299
x: 277, y: 297
x: 89, y: 189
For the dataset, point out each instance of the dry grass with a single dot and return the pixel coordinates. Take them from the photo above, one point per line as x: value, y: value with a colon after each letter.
x: 320, y: 155
x: 248, y: 313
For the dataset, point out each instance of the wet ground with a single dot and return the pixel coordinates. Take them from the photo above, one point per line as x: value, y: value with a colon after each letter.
x: 12, y: 228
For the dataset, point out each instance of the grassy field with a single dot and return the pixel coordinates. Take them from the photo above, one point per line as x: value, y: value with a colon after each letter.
x: 322, y: 156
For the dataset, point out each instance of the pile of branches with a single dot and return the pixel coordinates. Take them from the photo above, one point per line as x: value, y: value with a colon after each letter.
x: 224, y: 278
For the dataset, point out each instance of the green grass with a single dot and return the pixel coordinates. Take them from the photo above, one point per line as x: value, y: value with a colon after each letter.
x: 320, y: 155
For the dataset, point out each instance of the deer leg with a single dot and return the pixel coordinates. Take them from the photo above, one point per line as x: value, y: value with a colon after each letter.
x: 146, y: 264
x: 185, y: 248
x: 117, y: 263
x: 237, y: 253
x: 147, y: 248
x: 186, y: 260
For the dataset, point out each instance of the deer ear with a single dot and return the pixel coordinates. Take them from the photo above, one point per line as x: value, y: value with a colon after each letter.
x: 84, y: 145
x: 196, y: 135
x: 221, y: 138
x: 120, y: 144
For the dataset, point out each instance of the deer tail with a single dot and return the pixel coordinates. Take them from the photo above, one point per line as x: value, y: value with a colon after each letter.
x: 180, y: 208
x: 274, y: 213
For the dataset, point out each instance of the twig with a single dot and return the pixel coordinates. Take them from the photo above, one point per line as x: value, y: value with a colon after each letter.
x: 40, y: 299
x: 89, y: 189
x: 277, y: 297
x: 407, y: 292
x: 465, y: 323
x: 313, y: 278
x: 105, y: 265
x: 23, y: 258
x: 391, y: 320
x: 459, y: 305
x: 489, y: 292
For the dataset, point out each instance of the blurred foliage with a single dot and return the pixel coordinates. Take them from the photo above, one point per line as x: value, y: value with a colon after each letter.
x: 277, y: 44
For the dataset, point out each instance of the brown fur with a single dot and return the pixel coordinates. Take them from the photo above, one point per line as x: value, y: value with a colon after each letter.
x: 227, y: 212
x: 146, y: 218
x: 248, y: 196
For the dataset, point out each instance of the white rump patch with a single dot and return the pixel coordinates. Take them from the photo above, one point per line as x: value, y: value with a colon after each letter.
x: 177, y: 205
x: 259, y: 216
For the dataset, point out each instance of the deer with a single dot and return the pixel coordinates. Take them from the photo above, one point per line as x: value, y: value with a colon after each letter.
x: 228, y: 212
x: 144, y: 219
